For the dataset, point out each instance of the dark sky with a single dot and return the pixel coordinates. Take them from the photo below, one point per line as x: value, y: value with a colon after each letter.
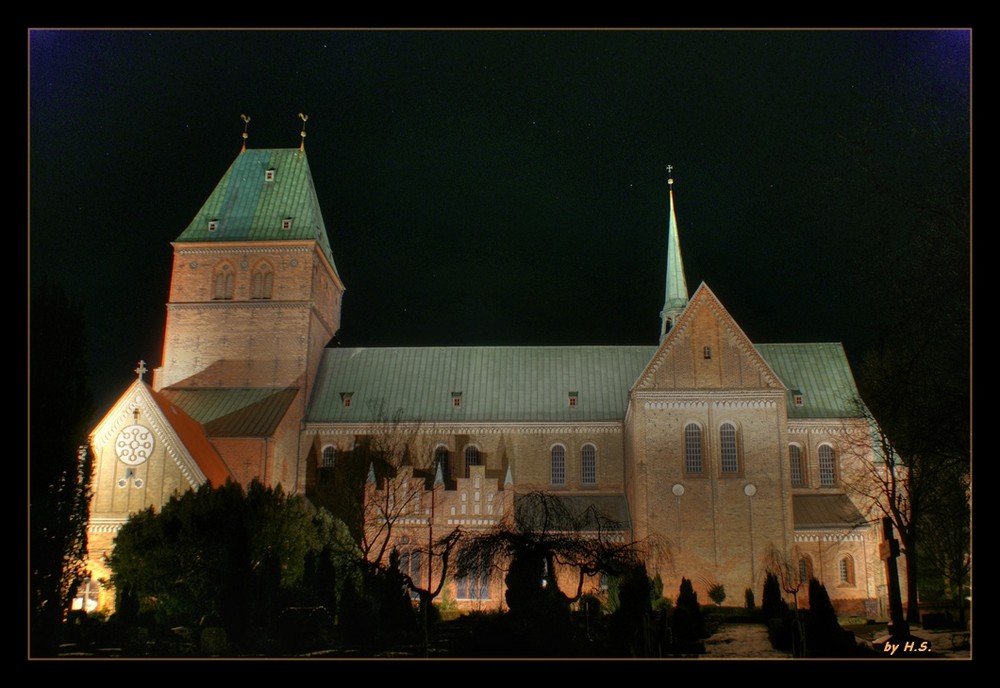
x: 504, y: 187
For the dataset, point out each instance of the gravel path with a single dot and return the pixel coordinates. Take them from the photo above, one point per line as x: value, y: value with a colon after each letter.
x: 742, y: 641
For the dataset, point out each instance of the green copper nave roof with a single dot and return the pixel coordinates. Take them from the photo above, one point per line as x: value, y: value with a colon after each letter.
x: 534, y: 383
x: 245, y: 206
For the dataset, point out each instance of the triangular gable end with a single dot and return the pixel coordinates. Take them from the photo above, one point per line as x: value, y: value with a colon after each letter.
x: 179, y: 435
x: 706, y: 349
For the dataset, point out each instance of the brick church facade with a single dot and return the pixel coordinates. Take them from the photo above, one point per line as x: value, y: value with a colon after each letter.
x: 729, y: 454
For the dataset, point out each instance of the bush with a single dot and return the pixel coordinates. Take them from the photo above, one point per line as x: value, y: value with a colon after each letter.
x: 718, y: 593
x: 772, y: 604
x: 687, y: 623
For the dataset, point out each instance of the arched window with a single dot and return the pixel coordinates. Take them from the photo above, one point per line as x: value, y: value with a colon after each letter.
x: 847, y: 571
x: 263, y: 280
x: 795, y: 464
x: 224, y: 277
x: 827, y: 466
x: 729, y: 447
x: 692, y: 448
x: 805, y: 569
x: 588, y: 464
x: 329, y: 459
x: 472, y: 458
x: 441, y: 459
x: 558, y: 465
x: 409, y: 565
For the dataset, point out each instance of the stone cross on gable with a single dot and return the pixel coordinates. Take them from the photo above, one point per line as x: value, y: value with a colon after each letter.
x: 141, y: 370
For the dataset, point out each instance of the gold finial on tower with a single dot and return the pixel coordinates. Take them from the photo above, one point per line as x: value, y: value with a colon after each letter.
x: 302, y: 145
x: 246, y: 123
x: 670, y: 175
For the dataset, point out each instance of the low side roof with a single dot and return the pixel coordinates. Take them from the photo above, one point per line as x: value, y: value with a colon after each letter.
x: 825, y: 511
x: 584, y: 513
x: 249, y: 412
x: 503, y: 383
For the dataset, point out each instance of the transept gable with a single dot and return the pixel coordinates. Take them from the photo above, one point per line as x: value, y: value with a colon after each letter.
x: 706, y: 349
x: 149, y: 419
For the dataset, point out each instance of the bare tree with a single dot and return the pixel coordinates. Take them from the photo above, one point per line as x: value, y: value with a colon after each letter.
x: 907, y: 487
x: 543, y: 536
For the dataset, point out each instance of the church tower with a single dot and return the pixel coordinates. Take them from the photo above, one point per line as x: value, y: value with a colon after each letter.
x: 254, y: 295
x: 676, y: 297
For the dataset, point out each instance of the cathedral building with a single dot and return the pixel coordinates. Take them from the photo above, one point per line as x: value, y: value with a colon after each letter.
x: 733, y: 455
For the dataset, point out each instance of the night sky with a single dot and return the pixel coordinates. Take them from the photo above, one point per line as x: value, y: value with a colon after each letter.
x: 502, y: 187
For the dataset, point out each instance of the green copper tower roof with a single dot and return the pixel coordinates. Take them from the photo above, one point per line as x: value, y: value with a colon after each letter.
x: 676, y: 298
x: 265, y: 195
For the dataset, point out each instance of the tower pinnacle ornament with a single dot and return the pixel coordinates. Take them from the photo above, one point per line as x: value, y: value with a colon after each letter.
x: 302, y: 145
x: 246, y: 124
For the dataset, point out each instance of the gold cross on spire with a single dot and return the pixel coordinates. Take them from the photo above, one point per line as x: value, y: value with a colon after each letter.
x: 246, y: 124
x: 141, y: 370
x: 670, y: 175
x: 302, y: 145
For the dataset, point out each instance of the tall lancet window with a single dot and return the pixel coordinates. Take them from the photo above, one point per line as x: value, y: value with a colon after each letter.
x: 263, y: 281
x: 472, y: 458
x: 224, y: 278
x: 692, y: 448
x: 730, y: 448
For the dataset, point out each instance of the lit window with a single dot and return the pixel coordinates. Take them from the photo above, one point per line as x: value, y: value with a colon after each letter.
x: 263, y: 281
x: 588, y: 464
x: 730, y: 451
x: 269, y: 175
x: 847, y: 571
x: 472, y: 458
x: 441, y: 459
x: 827, y: 466
x: 805, y: 570
x: 87, y: 595
x: 473, y: 587
x: 692, y: 448
x: 329, y: 458
x: 795, y: 464
x: 558, y: 465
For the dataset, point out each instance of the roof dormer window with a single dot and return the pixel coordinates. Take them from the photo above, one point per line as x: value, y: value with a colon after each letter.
x: 798, y: 398
x: 346, y: 398
x: 269, y: 175
x: 456, y: 399
x: 286, y: 224
x: 572, y: 398
x: 213, y: 225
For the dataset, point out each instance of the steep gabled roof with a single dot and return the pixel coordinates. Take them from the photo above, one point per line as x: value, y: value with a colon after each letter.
x: 245, y: 206
x: 192, y: 435
x: 500, y: 383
